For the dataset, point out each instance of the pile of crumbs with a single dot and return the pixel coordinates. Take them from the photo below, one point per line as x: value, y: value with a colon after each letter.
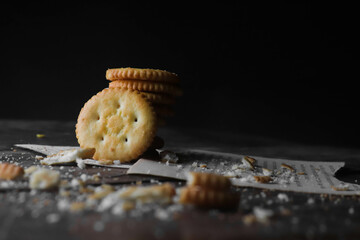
x: 159, y: 200
x: 248, y: 171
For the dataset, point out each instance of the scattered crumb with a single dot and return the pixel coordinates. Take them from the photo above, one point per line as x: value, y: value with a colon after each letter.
x: 77, y: 206
x: 341, y: 187
x: 283, y: 165
x: 262, y: 179
x: 38, y: 157
x: 43, y: 178
x: 263, y: 215
x: 351, y: 211
x: 249, y: 219
x: 52, y: 218
x: 310, y: 201
x: 283, y: 197
x: 168, y: 156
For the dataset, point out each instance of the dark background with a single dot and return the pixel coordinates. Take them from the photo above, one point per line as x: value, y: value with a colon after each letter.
x: 285, y: 71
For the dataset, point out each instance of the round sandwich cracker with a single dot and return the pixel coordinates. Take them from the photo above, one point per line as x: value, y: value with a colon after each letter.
x: 147, y: 86
x: 146, y: 74
x: 119, y: 123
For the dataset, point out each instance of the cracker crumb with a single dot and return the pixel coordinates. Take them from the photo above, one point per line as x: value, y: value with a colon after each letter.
x: 248, y: 162
x: 341, y: 187
x: 53, y: 218
x: 168, y: 156
x: 266, y: 172
x: 43, y: 178
x: 283, y: 197
x: 351, y: 211
x: 77, y: 206
x: 310, y: 201
x: 283, y: 165
x: 99, y: 226
x: 263, y: 215
x: 38, y: 157
x: 249, y: 219
x: 262, y: 179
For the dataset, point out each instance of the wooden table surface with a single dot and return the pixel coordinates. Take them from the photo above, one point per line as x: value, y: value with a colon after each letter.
x: 27, y: 214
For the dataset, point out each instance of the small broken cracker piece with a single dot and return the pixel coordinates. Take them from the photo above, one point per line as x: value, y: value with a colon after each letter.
x: 248, y: 162
x: 301, y: 173
x: 208, y: 181
x: 249, y: 219
x: 38, y: 157
x: 28, y: 171
x: 266, y: 172
x: 250, y: 159
x: 168, y: 156
x: 86, y: 190
x: 158, y: 193
x: 262, y: 179
x: 128, y: 205
x: 96, y: 178
x: 77, y: 206
x: 10, y: 171
x: 340, y: 188
x: 105, y: 190
x: 208, y: 198
x: 283, y: 165
x: 68, y: 156
x: 44, y: 179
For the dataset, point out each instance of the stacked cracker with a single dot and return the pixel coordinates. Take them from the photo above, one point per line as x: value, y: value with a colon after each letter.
x: 121, y: 121
x: 159, y: 86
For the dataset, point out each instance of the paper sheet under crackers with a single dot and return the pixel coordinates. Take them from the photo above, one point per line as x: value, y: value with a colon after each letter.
x: 307, y: 176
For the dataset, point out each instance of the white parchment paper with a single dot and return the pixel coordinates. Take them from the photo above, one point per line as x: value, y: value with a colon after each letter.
x: 309, y: 176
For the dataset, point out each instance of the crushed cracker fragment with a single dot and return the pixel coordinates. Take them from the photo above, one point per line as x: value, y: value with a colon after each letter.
x: 262, y: 179
x: 283, y: 165
x: 340, y: 188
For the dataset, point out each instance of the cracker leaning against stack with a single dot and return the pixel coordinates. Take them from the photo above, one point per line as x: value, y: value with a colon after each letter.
x: 121, y: 121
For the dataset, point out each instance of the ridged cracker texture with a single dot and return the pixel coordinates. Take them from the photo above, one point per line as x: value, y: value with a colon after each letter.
x: 147, y: 86
x: 119, y: 123
x: 141, y: 74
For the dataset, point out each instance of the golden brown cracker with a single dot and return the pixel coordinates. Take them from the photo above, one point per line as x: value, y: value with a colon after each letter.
x: 146, y: 74
x: 263, y: 179
x: 208, y: 181
x: 147, y: 86
x: 208, y: 198
x: 10, y: 171
x: 119, y: 123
